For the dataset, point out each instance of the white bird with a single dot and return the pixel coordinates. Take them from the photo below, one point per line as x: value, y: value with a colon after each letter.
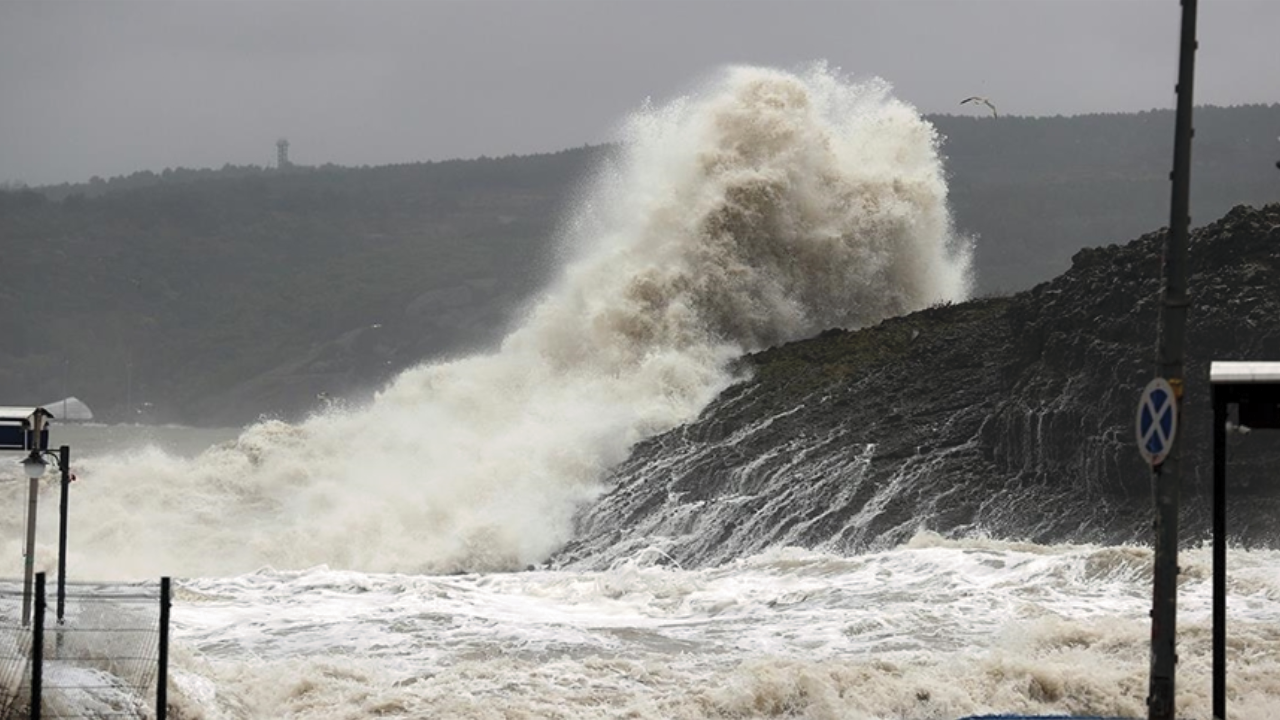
x: 984, y: 101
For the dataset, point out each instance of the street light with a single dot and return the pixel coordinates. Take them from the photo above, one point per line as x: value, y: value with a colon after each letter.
x: 34, y: 465
x: 26, y: 429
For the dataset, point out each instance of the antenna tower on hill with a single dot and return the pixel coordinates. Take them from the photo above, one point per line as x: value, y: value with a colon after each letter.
x: 282, y: 154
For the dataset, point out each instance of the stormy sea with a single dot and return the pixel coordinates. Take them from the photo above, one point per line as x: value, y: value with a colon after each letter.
x: 483, y: 540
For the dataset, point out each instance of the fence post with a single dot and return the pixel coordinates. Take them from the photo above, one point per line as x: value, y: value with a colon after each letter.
x: 64, y: 464
x: 162, y: 674
x: 37, y: 650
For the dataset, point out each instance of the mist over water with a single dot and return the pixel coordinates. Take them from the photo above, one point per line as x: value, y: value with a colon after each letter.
x: 764, y: 208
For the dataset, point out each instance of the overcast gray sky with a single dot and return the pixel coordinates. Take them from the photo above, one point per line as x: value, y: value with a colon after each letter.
x: 109, y: 87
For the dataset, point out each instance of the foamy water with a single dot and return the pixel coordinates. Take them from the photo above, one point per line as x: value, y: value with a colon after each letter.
x: 935, y: 629
x: 766, y: 207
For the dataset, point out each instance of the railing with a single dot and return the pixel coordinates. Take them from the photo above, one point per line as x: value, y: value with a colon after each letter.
x: 108, y: 658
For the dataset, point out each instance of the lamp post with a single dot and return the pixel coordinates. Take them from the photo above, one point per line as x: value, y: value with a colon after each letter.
x: 34, y: 466
x: 26, y: 429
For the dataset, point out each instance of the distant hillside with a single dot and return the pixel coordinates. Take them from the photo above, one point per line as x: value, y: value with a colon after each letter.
x: 213, y: 296
x: 1036, y: 190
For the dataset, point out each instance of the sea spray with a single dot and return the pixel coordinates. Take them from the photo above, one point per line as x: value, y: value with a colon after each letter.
x: 764, y: 208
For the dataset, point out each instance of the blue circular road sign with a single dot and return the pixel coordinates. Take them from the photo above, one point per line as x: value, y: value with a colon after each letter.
x: 1157, y: 421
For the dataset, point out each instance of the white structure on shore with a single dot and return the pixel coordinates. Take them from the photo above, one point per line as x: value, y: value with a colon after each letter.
x: 70, y: 409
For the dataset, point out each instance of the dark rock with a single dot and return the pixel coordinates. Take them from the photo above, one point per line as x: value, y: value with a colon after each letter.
x: 1011, y: 417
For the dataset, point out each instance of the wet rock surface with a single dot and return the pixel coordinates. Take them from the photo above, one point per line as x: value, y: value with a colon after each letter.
x: 1011, y: 417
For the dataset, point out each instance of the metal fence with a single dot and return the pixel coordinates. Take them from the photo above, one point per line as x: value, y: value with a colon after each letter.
x: 106, y: 657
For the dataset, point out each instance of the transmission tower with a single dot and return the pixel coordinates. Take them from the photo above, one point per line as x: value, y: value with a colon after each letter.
x: 282, y: 154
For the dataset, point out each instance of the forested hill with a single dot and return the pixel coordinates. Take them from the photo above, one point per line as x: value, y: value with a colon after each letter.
x: 214, y: 296
x: 1035, y: 190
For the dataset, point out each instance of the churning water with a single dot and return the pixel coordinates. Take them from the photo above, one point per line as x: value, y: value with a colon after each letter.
x: 767, y: 208
x: 363, y: 563
x: 932, y: 630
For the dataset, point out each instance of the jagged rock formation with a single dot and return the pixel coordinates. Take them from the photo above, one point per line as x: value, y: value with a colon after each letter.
x: 1006, y: 416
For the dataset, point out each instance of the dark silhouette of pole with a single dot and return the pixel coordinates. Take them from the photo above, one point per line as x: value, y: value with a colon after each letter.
x: 1219, y: 553
x: 1166, y: 476
x: 37, y: 651
x: 64, y: 464
x: 162, y: 672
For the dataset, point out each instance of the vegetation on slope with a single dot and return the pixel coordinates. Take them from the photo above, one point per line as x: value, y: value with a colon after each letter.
x: 212, y: 296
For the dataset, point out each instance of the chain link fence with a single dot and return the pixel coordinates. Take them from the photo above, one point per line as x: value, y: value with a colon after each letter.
x: 104, y: 658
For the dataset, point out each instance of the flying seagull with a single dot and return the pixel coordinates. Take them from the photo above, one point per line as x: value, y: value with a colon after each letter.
x: 984, y: 101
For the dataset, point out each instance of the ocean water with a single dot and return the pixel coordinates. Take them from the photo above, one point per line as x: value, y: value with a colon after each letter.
x: 765, y: 206
x: 934, y: 629
x: 383, y: 560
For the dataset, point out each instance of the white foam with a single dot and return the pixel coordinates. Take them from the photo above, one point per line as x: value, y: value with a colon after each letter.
x: 765, y: 208
x: 933, y: 629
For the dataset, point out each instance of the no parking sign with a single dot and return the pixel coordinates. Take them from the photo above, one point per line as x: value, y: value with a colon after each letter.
x: 1157, y: 421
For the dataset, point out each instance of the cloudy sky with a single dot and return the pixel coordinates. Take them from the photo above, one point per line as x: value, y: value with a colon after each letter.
x: 108, y: 87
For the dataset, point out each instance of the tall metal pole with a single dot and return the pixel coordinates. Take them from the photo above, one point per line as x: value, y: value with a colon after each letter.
x: 29, y: 558
x: 1166, y: 477
x: 162, y: 672
x: 37, y: 652
x: 1219, y: 553
x: 64, y: 464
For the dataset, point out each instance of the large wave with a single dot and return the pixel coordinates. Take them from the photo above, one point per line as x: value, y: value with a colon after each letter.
x: 763, y: 208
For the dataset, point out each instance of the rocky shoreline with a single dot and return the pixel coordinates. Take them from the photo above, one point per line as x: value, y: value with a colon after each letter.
x: 1005, y: 416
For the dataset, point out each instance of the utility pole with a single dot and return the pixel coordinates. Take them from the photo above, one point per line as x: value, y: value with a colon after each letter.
x: 1165, y: 475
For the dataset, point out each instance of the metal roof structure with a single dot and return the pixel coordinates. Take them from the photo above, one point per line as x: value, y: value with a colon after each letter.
x: 1254, y: 388
x: 1233, y: 372
x: 24, y: 428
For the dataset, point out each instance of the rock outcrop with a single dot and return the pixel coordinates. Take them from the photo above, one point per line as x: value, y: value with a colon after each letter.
x: 1011, y: 417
